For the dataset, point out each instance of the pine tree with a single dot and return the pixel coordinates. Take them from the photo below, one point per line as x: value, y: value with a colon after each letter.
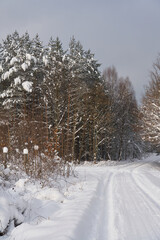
x: 56, y: 72
x: 150, y: 110
x: 125, y: 117
x: 20, y: 80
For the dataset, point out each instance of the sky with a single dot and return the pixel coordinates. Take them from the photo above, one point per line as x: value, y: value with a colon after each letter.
x: 123, y: 33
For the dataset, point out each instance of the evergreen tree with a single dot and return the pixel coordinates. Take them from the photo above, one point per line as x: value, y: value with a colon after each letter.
x: 58, y: 100
x: 125, y: 117
x: 151, y: 109
x: 56, y: 73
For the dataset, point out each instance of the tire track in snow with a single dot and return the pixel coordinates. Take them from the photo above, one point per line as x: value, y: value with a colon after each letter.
x: 86, y: 227
x: 150, y: 175
x: 91, y: 225
x: 105, y: 228
x: 153, y: 179
x: 136, y: 217
x: 143, y: 185
x: 113, y: 220
x: 99, y: 221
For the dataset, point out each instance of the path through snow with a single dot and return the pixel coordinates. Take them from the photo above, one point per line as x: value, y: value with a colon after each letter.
x: 119, y: 202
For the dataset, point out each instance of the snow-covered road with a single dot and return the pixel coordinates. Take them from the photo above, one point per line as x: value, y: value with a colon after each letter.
x: 120, y: 202
x: 133, y: 209
x: 129, y: 203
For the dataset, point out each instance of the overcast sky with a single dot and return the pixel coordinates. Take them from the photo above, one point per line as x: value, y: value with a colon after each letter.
x: 123, y: 33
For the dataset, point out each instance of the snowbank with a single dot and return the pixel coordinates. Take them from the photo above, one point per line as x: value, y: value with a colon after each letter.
x: 10, y: 209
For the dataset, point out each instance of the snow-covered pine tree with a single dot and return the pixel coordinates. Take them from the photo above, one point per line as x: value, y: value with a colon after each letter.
x: 13, y: 79
x: 4, y: 115
x: 81, y: 68
x: 84, y: 76
x: 21, y: 77
x: 127, y: 139
x: 56, y: 71
x: 110, y: 82
x: 124, y: 141
x: 73, y: 96
x: 38, y: 105
x: 151, y: 109
x: 92, y: 73
x: 97, y: 125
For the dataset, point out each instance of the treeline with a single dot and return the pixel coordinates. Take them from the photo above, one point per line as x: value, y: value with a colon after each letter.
x: 150, y: 110
x: 58, y: 99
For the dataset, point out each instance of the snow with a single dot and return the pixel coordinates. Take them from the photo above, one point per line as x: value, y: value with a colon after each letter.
x: 13, y: 61
x: 14, y: 69
x: 64, y: 57
x: 17, y: 81
x: 24, y: 66
x: 6, y: 94
x: 34, y: 59
x: 28, y: 56
x: 45, y: 60
x: 7, y: 58
x: 1, y: 68
x: 21, y: 183
x: 25, y: 151
x: 8, y: 210
x: 5, y: 150
x: 28, y: 63
x: 107, y: 200
x: 5, y: 75
x: 50, y: 194
x: 6, y: 171
x: 10, y: 71
x: 36, y: 147
x: 27, y: 85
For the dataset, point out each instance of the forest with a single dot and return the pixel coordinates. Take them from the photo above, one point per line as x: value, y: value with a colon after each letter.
x: 57, y: 105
